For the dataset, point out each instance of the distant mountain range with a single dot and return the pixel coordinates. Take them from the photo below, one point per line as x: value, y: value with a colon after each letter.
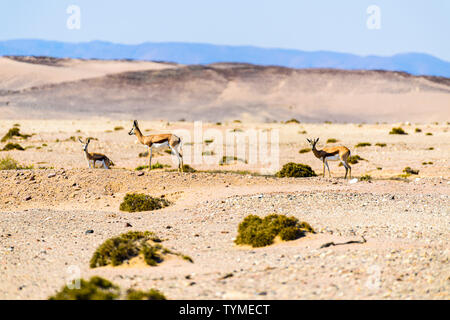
x: 192, y: 53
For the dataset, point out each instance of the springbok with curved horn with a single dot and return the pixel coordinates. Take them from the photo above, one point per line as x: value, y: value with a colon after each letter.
x: 94, y: 157
x: 159, y: 140
x: 339, y: 153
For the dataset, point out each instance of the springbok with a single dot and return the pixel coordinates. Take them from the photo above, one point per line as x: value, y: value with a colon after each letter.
x: 94, y: 157
x: 339, y: 153
x: 159, y: 140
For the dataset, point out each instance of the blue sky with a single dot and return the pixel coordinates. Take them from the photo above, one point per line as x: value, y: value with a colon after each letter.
x: 406, y: 25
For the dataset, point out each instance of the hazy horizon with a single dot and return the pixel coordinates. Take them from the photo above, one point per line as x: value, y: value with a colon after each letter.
x: 404, y: 26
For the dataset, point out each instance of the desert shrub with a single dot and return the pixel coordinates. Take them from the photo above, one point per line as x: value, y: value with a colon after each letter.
x: 292, y: 121
x: 14, y: 132
x: 115, y: 251
x: 156, y: 165
x: 363, y: 144
x: 208, y: 153
x: 12, y: 146
x: 259, y: 232
x: 209, y: 141
x: 303, y: 132
x: 296, y: 170
x: 327, y: 122
x: 237, y: 121
x: 218, y: 123
x: 152, y: 294
x: 418, y: 130
x: 430, y: 148
x: 305, y: 150
x: 425, y: 163
x: 118, y: 128
x: 168, y: 151
x: 96, y: 288
x: 353, y: 160
x: 365, y: 177
x: 228, y: 159
x: 143, y: 154
x: 188, y: 168
x: 137, y: 202
x: 332, y: 140
x: 398, y: 130
x: 428, y: 134
x: 379, y: 144
x: 8, y: 163
x: 408, y: 170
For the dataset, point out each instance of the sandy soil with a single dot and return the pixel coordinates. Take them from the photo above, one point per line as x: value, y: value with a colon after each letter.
x: 46, y: 211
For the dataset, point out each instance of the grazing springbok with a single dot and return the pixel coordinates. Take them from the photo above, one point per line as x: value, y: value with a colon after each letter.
x: 339, y: 153
x: 159, y: 140
x: 94, y: 157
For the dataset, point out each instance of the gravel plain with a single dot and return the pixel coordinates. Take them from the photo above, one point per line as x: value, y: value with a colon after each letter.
x: 45, y: 213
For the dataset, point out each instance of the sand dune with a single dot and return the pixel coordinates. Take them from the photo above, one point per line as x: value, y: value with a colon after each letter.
x: 64, y: 88
x: 18, y: 73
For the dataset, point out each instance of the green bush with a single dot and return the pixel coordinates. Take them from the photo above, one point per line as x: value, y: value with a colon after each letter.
x: 14, y: 132
x: 152, y: 294
x: 228, y: 159
x: 115, y: 251
x: 408, y: 170
x: 353, y: 160
x: 379, y: 144
x: 398, y: 130
x: 418, y: 130
x: 8, y: 163
x: 363, y: 144
x: 428, y: 134
x: 332, y: 140
x: 96, y: 288
x: 292, y: 121
x: 259, y: 232
x: 305, y: 150
x: 365, y: 178
x: 136, y: 202
x: 188, y: 168
x: 118, y: 128
x: 296, y: 170
x: 13, y: 146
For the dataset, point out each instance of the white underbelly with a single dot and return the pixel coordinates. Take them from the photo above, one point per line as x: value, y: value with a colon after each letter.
x: 333, y: 158
x: 160, y: 145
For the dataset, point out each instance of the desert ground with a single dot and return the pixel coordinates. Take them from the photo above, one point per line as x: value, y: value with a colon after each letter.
x: 45, y: 212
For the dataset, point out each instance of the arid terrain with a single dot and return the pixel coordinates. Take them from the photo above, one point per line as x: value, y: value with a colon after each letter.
x: 49, y: 88
x: 46, y: 211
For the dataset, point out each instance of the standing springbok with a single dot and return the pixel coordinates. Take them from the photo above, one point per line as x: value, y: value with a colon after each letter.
x: 339, y: 153
x: 94, y: 157
x: 159, y: 140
